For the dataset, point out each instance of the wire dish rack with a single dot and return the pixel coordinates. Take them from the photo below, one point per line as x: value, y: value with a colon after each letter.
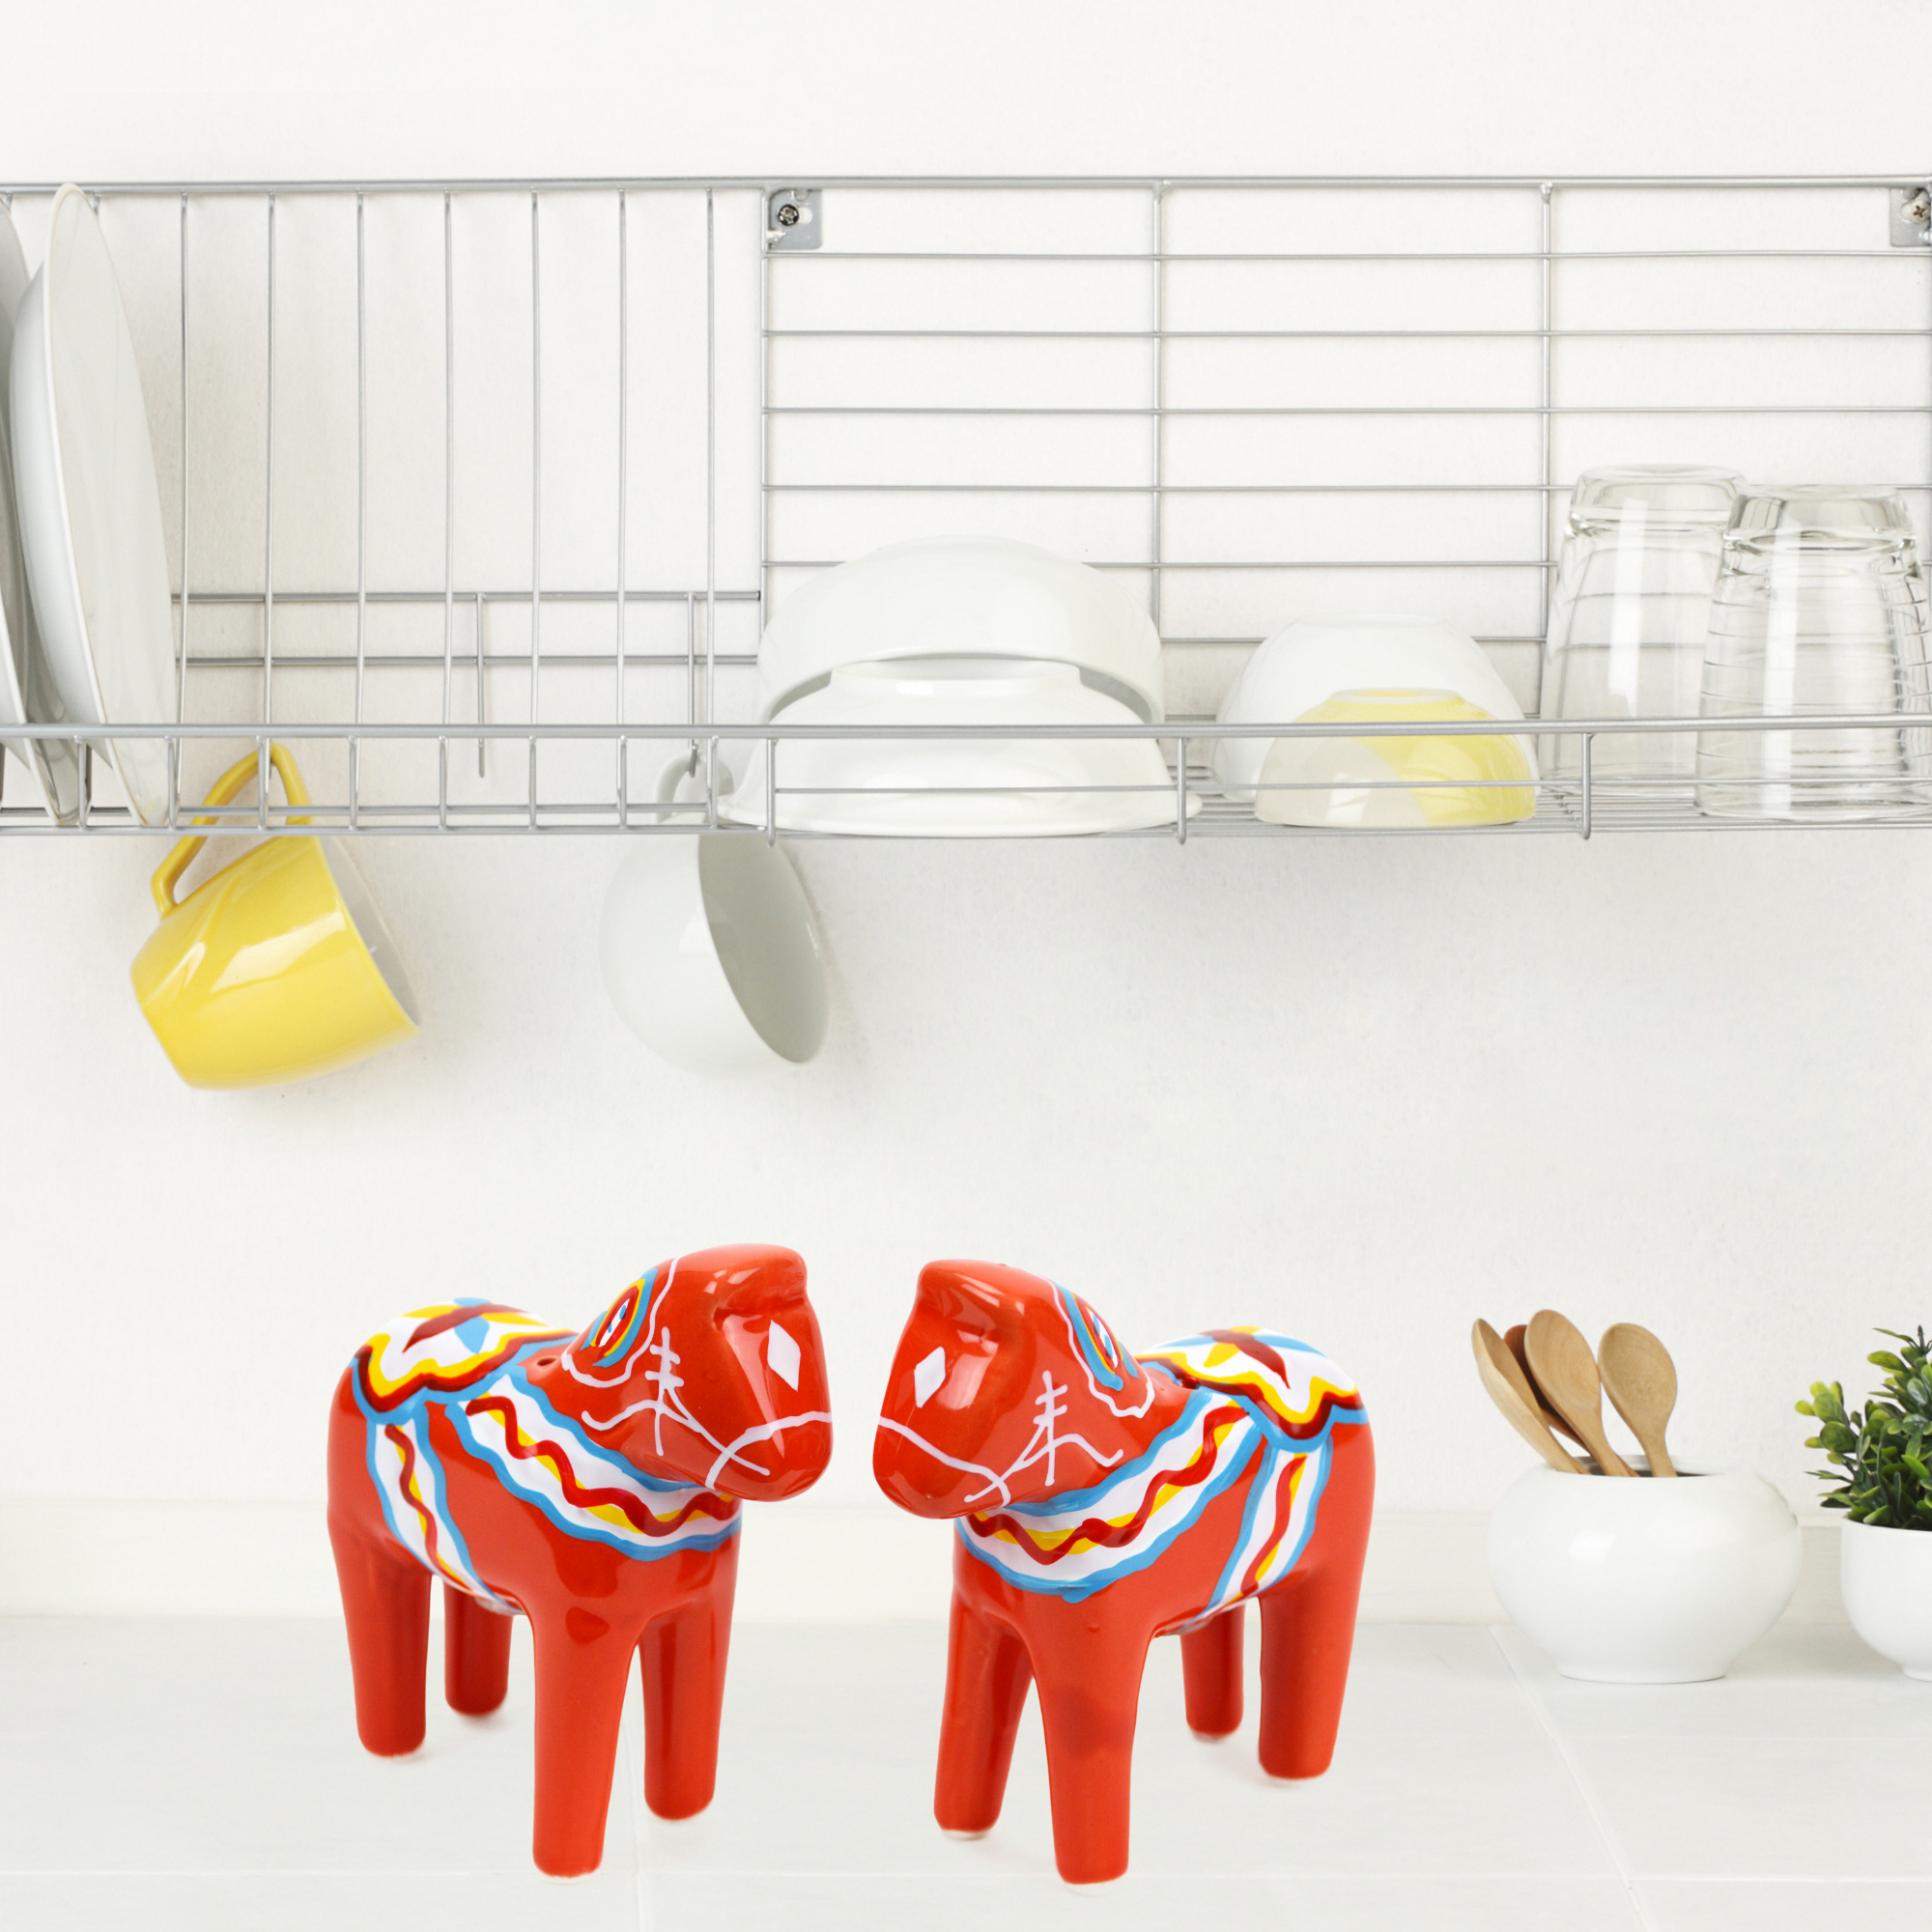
x: 477, y: 493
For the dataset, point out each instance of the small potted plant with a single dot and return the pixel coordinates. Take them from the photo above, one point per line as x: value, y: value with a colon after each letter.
x: 1885, y: 1561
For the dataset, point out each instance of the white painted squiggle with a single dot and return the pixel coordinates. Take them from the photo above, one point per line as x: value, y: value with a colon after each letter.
x: 1046, y: 1442
x: 604, y: 1422
x: 764, y: 1431
x: 667, y: 1379
x: 919, y: 1441
x: 665, y: 1401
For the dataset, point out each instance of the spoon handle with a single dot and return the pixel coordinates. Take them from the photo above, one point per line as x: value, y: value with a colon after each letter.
x: 1599, y: 1445
x: 1513, y: 1341
x: 1640, y: 1379
x: 1494, y: 1365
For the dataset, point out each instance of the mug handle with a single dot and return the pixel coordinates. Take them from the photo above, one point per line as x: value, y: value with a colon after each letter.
x: 168, y: 874
x: 670, y: 780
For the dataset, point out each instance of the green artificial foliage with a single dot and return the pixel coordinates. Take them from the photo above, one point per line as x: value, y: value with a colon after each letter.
x: 1880, y: 1449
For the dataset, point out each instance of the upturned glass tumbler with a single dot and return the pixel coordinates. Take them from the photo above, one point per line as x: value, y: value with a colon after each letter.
x: 1820, y: 613
x: 1626, y: 623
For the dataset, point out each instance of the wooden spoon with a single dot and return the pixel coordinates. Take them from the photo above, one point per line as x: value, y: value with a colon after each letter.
x: 1512, y: 1338
x: 1503, y: 1378
x: 1566, y: 1372
x: 1641, y: 1380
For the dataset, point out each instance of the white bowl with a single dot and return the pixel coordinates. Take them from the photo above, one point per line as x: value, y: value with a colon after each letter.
x: 1886, y: 1578
x: 27, y: 693
x: 1304, y: 667
x: 90, y: 507
x: 710, y: 954
x: 946, y: 597
x: 1386, y: 782
x: 958, y: 787
x: 1644, y: 1581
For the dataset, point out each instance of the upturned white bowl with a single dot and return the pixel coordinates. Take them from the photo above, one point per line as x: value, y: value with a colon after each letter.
x: 1643, y: 1580
x: 1886, y: 1578
x: 934, y: 787
x: 956, y: 597
x: 1305, y: 665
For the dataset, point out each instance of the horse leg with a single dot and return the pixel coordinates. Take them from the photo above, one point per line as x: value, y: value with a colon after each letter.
x: 583, y: 1664
x: 385, y: 1607
x: 1087, y: 1668
x: 986, y: 1679
x: 1210, y: 1669
x: 385, y: 1591
x: 1308, y: 1620
x: 475, y: 1654
x: 682, y: 1660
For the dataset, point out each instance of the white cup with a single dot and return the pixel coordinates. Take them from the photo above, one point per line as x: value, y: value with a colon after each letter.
x: 708, y: 947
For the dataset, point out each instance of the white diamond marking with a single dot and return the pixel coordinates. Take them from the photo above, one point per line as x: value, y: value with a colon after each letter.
x: 781, y: 1352
x: 927, y: 1376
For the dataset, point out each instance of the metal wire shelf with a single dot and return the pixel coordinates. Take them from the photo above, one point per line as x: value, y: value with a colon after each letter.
x: 477, y: 493
x: 1897, y: 781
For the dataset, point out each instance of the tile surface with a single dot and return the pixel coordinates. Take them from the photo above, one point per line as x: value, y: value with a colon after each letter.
x: 205, y: 1773
x: 1800, y: 1680
x: 1796, y: 1905
x: 315, y: 1902
x: 742, y: 1902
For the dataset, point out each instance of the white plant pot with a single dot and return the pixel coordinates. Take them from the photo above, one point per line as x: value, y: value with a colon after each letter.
x: 1885, y: 1577
x: 1645, y: 1580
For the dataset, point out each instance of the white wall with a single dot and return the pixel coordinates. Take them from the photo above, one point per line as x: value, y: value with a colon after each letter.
x: 1364, y: 1091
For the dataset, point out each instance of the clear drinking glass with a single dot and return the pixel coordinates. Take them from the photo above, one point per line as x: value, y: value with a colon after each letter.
x: 1627, y: 622
x: 1820, y: 611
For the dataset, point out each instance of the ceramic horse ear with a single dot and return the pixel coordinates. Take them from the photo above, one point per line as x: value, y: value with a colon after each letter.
x: 591, y: 1482
x: 1102, y: 1501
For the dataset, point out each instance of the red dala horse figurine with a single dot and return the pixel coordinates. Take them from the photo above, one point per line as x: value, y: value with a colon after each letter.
x: 591, y: 1482
x: 1102, y: 1501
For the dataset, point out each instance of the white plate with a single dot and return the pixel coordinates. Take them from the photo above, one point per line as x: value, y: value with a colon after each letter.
x: 963, y: 597
x: 959, y: 787
x: 89, y: 508
x: 27, y: 693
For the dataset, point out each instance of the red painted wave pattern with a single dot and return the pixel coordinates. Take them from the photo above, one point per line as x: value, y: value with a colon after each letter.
x: 625, y: 1506
x: 1096, y: 1532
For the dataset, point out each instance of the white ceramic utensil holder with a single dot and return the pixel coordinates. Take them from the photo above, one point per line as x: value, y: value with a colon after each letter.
x: 1643, y: 1580
x: 1886, y: 1578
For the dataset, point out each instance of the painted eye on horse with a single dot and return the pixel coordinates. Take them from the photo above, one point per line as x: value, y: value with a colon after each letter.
x: 781, y: 1356
x: 927, y: 1376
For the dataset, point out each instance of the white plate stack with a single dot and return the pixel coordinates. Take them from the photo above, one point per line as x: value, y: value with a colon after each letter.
x: 89, y: 515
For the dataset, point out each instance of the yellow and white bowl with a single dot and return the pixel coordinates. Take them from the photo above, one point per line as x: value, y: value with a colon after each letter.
x: 1394, y: 782
x: 1314, y: 661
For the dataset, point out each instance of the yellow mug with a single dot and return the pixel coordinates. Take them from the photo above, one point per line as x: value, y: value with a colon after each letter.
x: 277, y: 968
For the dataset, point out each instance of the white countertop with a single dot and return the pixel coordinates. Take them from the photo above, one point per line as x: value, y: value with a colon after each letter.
x: 205, y: 1773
